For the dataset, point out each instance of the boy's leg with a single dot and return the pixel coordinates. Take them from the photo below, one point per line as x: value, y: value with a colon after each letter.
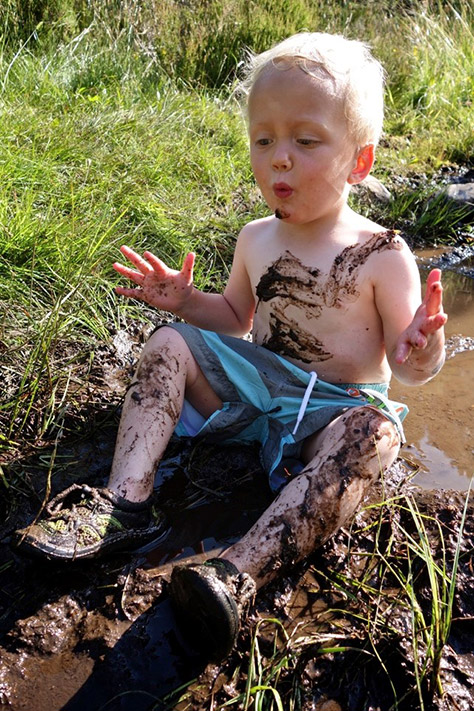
x: 343, y: 460
x: 166, y: 371
x: 83, y: 521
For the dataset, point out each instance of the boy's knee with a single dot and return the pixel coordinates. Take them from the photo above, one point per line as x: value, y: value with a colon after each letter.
x: 373, y: 440
x: 165, y: 352
x: 362, y: 444
x: 165, y: 336
x: 168, y: 352
x: 371, y: 424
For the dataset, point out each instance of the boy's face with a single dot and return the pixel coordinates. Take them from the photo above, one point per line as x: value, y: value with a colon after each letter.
x: 300, y: 149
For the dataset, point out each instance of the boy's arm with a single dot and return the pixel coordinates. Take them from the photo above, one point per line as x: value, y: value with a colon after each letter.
x: 413, y: 331
x: 172, y: 290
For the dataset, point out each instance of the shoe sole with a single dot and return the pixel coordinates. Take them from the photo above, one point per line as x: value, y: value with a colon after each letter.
x: 206, y: 612
x: 119, y: 543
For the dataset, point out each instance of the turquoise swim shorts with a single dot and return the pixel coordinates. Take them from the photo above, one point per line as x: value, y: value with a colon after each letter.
x: 269, y: 400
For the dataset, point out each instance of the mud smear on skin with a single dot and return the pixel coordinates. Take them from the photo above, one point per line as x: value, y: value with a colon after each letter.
x: 289, y: 282
x: 153, y: 394
x: 150, y: 389
x: 324, y: 500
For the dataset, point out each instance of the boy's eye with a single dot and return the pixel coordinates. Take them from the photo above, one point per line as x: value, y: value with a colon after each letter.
x: 263, y: 141
x: 307, y: 141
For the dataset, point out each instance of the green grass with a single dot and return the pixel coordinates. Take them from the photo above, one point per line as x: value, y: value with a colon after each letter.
x: 82, y: 172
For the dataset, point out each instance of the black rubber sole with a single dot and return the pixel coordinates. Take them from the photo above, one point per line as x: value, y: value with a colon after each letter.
x: 28, y: 544
x: 206, y: 611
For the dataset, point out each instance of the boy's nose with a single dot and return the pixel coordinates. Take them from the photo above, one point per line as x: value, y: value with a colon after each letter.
x: 281, y: 159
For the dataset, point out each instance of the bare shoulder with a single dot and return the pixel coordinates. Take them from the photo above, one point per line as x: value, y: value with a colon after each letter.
x: 394, y: 274
x: 391, y: 251
x: 257, y: 228
x: 256, y: 237
x: 387, y: 248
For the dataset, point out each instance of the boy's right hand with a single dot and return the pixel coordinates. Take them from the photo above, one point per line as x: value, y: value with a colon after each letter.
x: 158, y: 285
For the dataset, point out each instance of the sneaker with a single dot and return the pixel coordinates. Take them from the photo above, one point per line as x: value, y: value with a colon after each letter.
x: 210, y: 601
x: 84, y: 521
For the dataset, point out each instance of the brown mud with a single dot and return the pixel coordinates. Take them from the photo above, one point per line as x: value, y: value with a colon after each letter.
x: 346, y: 635
x: 102, y: 635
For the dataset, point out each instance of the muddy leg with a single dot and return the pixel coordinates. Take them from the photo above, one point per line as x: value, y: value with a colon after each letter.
x: 344, y: 459
x: 166, y: 371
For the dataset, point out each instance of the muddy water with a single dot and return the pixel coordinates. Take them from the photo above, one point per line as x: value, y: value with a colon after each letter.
x: 440, y: 426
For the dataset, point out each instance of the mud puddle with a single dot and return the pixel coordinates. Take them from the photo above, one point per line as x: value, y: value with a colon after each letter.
x: 102, y: 634
x: 440, y: 426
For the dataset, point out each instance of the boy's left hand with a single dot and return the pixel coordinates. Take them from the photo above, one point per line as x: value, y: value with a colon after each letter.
x: 428, y: 319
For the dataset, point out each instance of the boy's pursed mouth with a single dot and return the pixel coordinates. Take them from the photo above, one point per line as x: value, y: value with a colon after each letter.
x: 282, y: 190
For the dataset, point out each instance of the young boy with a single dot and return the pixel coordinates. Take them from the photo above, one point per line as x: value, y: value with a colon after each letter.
x: 333, y: 302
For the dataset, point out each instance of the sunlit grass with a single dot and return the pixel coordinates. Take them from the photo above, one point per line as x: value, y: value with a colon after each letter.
x: 431, y: 87
x: 82, y: 174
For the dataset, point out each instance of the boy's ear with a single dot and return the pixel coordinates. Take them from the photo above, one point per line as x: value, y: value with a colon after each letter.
x: 363, y: 164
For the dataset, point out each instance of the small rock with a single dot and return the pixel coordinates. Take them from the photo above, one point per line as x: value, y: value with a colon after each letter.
x: 460, y: 196
x: 375, y: 188
x: 460, y: 192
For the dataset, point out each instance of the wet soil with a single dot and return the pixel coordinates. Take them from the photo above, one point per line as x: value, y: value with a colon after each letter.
x: 102, y: 634
x: 340, y: 629
x: 89, y: 634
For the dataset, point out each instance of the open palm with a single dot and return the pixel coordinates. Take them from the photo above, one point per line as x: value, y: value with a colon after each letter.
x: 428, y: 319
x: 157, y: 284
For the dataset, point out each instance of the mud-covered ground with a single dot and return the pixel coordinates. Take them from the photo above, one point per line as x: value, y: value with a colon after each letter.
x: 102, y: 635
x: 349, y: 630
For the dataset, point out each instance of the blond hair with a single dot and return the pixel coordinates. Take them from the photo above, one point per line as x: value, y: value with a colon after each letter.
x: 357, y: 77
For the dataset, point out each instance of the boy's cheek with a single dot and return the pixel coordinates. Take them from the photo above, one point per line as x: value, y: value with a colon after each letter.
x: 258, y: 173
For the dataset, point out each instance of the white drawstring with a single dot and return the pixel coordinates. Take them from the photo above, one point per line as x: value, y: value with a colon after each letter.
x: 305, y: 400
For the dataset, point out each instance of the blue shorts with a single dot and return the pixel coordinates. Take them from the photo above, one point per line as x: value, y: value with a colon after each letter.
x: 267, y: 399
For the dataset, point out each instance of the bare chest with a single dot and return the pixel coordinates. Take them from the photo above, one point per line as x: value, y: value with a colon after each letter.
x: 303, y: 311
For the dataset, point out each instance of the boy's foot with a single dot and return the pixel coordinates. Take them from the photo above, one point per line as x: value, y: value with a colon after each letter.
x: 210, y: 600
x: 83, y: 522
